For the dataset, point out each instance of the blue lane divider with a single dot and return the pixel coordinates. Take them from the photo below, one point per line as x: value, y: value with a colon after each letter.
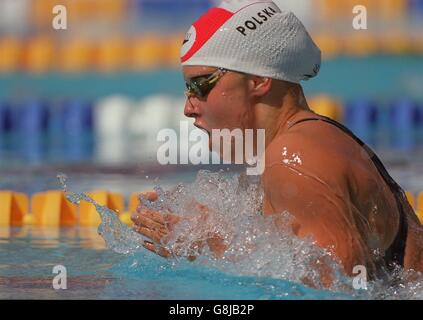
x: 64, y: 131
x: 55, y: 124
x: 29, y: 123
x: 31, y: 117
x: 415, y: 6
x: 383, y: 128
x: 78, y: 148
x: 33, y: 147
x: 404, y: 118
x: 360, y: 118
x: 5, y: 117
x: 419, y: 125
x: 70, y: 133
x: 77, y: 117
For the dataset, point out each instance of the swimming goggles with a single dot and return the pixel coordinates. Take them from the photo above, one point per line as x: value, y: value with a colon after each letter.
x: 201, y: 86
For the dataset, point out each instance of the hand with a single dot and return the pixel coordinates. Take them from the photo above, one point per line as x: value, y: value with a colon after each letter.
x: 159, y: 226
x: 155, y: 226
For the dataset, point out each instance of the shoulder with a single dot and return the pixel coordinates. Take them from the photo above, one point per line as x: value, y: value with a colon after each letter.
x: 313, y: 145
x: 307, y: 160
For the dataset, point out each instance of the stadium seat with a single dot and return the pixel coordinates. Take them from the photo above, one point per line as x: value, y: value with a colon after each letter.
x: 77, y: 117
x: 40, y: 54
x: 76, y: 55
x: 403, y: 124
x: 361, y: 118
x: 148, y: 52
x: 326, y: 106
x: 112, y: 55
x: 32, y: 117
x: 10, y: 55
x: 5, y: 117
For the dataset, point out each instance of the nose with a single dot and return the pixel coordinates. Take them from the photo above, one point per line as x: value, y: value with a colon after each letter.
x: 190, y: 110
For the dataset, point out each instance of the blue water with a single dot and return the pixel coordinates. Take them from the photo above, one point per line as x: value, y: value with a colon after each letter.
x: 119, y: 268
x: 28, y: 255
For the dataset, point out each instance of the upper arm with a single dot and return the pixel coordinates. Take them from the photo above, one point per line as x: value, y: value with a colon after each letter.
x: 317, y: 212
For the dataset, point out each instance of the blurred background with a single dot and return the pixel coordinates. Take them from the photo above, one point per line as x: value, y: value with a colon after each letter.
x: 93, y: 97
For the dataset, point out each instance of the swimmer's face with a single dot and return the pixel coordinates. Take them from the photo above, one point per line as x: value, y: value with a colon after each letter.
x: 226, y: 106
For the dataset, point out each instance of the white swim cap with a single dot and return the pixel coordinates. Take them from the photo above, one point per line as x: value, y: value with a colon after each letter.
x: 254, y: 37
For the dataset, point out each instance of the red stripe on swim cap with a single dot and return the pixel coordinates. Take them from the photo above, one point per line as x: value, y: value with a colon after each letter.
x: 206, y: 27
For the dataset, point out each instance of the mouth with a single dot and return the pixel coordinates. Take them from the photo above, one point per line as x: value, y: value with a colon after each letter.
x: 201, y: 128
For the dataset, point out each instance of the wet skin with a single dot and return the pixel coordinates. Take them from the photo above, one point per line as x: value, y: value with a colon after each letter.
x: 313, y: 170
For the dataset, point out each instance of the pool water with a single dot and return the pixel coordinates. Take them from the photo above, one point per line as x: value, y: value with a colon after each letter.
x: 97, y: 273
x: 119, y: 268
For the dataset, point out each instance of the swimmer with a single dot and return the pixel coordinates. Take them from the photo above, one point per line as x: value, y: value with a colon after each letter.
x: 243, y: 63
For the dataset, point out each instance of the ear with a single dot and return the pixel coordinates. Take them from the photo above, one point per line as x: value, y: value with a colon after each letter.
x: 260, y: 86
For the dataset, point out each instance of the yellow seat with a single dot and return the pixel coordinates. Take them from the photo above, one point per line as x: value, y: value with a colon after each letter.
x: 28, y: 219
x: 416, y: 45
x: 326, y: 106
x: 112, y: 10
x: 148, y: 52
x: 112, y: 55
x: 51, y: 208
x: 11, y: 50
x: 420, y: 215
x: 420, y: 206
x: 79, y: 11
x: 396, y: 43
x: 371, y: 6
x: 391, y: 10
x: 76, y: 56
x: 125, y: 218
x: 361, y: 43
x: 411, y: 199
x: 329, y: 44
x: 330, y: 9
x: 13, y: 207
x: 88, y: 216
x: 335, y: 12
x: 41, y: 13
x: 132, y: 207
x: 40, y: 55
x: 133, y: 202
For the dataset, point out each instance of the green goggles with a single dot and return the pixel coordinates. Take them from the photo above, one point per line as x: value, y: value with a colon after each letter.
x: 201, y: 86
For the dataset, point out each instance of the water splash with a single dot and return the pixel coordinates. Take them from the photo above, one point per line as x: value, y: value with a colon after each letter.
x: 257, y: 246
x: 294, y: 159
x: 118, y: 236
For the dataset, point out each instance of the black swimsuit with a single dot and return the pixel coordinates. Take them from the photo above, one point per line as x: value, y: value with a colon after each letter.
x: 394, y: 255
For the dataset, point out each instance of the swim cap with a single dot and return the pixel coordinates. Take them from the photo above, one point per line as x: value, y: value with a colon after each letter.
x: 254, y: 37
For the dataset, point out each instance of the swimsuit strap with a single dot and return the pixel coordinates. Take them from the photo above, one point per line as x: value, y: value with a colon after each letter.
x: 396, y: 252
